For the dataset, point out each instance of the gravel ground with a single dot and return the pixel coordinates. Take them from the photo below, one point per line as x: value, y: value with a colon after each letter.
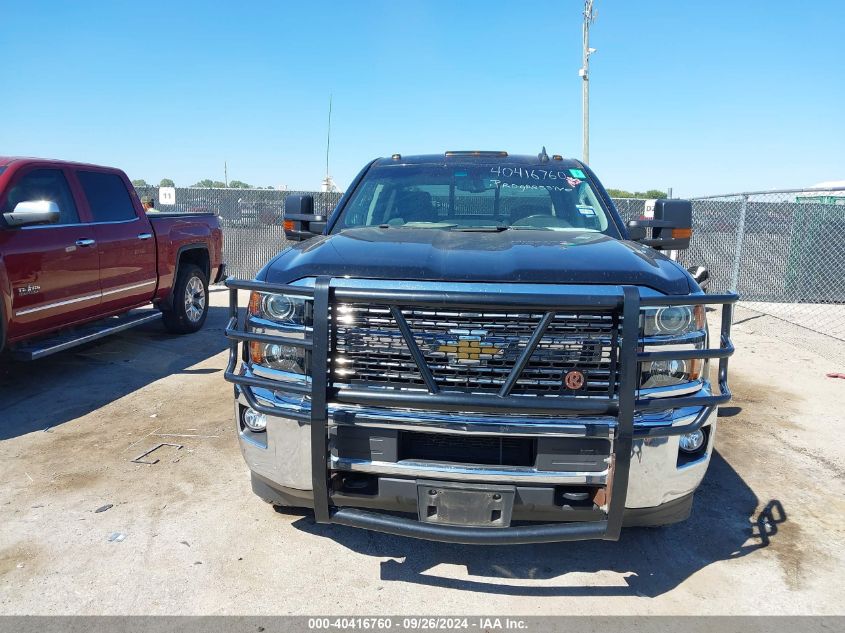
x: 187, y: 536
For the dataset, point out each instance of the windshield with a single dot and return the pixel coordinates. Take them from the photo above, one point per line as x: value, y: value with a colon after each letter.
x: 476, y: 196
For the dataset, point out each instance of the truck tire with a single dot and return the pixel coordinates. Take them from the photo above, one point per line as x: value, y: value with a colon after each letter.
x: 190, y: 301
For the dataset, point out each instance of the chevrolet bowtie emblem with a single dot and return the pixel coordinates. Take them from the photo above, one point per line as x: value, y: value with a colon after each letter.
x: 470, y: 349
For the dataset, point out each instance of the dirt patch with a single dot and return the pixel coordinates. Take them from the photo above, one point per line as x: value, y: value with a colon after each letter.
x: 790, y: 552
x: 755, y: 404
x: 20, y: 561
x: 761, y: 438
x: 774, y: 416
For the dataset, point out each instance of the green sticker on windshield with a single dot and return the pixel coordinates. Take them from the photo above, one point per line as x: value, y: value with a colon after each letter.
x: 577, y: 173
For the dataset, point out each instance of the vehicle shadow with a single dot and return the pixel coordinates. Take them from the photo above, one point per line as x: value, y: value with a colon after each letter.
x: 724, y: 524
x: 42, y: 394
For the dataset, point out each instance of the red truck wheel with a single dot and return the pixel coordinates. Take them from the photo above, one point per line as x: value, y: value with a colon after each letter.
x: 190, y: 301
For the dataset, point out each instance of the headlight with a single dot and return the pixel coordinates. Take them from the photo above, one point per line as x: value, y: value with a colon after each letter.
x: 666, y: 373
x: 681, y: 328
x: 281, y: 314
x: 279, y: 308
x: 672, y: 320
x: 290, y: 358
x: 283, y: 309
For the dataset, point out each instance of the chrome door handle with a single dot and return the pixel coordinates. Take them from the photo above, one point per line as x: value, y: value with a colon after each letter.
x: 144, y: 236
x: 85, y: 242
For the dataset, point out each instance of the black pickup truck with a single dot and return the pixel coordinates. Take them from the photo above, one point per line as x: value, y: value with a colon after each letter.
x: 473, y: 347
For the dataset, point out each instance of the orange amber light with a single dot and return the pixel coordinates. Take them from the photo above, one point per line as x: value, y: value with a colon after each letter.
x: 256, y: 352
x: 696, y: 365
x: 254, y: 303
x: 698, y: 313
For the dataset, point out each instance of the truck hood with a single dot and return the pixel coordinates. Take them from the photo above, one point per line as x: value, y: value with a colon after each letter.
x: 554, y: 257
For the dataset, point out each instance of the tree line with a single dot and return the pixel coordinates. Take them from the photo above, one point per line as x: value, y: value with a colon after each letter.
x: 648, y: 195
x: 203, y: 184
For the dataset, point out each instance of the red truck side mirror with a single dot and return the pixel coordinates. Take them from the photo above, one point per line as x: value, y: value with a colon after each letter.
x: 31, y: 212
x: 300, y: 221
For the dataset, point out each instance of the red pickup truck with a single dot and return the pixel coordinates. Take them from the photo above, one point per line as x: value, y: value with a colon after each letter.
x: 80, y: 258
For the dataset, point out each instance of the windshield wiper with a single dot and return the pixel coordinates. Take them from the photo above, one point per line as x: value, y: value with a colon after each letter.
x: 481, y: 229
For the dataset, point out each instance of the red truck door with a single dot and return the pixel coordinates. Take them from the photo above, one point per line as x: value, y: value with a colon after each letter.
x: 53, y: 269
x: 125, y: 240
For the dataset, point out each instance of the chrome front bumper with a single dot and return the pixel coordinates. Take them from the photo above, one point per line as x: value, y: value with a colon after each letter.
x: 282, y: 454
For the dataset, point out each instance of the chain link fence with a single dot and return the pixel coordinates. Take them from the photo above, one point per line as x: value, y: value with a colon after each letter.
x: 780, y: 250
x: 253, y: 232
x: 783, y: 250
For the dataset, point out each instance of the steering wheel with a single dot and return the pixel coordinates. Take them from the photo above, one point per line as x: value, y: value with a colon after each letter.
x: 542, y: 221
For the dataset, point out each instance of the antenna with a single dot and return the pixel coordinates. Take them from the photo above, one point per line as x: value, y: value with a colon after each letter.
x: 329, y: 137
x: 328, y: 183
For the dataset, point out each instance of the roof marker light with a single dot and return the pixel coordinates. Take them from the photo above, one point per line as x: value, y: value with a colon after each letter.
x: 499, y: 154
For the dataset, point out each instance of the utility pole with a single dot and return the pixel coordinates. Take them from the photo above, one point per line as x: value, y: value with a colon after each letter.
x: 225, y: 174
x: 589, y: 18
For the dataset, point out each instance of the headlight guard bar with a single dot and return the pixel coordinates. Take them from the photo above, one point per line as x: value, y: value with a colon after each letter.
x: 626, y: 302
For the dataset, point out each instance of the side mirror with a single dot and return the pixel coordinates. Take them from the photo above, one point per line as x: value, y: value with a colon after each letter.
x: 671, y: 225
x: 31, y: 212
x: 701, y: 276
x: 636, y: 233
x: 300, y: 221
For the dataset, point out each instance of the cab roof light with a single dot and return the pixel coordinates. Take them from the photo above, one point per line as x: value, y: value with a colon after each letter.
x: 478, y: 153
x: 557, y: 157
x: 397, y: 157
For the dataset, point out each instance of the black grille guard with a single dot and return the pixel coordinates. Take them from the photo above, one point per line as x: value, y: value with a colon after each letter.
x: 622, y: 406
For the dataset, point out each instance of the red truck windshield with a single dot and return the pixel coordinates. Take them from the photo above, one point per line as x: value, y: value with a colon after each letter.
x: 477, y: 195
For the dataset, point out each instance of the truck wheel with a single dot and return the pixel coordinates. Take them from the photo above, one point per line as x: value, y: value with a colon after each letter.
x: 190, y: 301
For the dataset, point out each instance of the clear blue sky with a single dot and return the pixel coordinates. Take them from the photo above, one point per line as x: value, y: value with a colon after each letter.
x: 705, y: 97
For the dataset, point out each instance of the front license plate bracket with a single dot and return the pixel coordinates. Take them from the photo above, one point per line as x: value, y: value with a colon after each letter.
x: 479, y: 505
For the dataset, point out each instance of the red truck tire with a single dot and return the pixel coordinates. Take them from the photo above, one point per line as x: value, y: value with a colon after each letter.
x: 190, y: 301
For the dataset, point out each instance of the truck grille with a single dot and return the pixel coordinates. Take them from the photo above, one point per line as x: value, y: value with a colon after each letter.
x: 467, y: 449
x: 473, y: 351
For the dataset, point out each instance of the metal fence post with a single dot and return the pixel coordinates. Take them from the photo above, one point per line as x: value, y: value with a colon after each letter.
x: 740, y: 237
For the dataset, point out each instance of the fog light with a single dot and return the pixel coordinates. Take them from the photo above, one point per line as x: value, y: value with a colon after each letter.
x: 691, y: 442
x: 254, y: 421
